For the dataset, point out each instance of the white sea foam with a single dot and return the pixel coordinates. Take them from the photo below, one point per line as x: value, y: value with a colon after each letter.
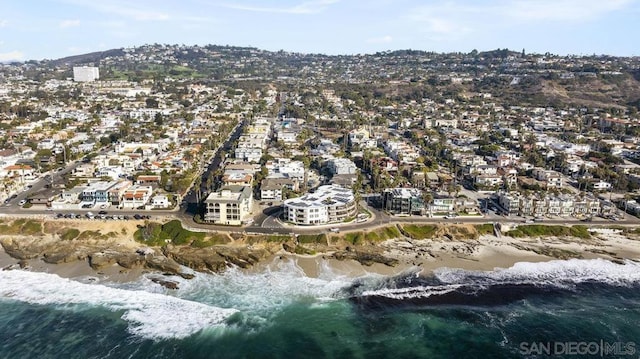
x: 263, y: 292
x: 149, y: 315
x: 412, y: 292
x: 557, y: 272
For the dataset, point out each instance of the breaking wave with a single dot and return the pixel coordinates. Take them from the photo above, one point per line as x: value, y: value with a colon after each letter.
x: 501, y: 286
x: 149, y: 315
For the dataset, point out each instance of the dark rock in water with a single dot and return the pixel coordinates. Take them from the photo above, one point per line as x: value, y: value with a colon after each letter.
x: 366, y: 258
x: 165, y: 283
x: 23, y: 264
x: 186, y: 275
x: 10, y: 267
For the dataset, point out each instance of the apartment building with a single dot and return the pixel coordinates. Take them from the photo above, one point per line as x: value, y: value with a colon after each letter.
x: 231, y: 205
x: 328, y: 204
x: 403, y: 200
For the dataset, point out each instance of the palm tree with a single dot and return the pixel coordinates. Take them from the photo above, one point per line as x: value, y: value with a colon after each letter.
x: 187, y: 155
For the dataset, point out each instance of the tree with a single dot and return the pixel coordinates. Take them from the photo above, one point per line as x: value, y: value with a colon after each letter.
x: 158, y: 119
x: 151, y: 103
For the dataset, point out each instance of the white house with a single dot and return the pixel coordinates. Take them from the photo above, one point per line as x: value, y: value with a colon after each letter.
x: 160, y: 201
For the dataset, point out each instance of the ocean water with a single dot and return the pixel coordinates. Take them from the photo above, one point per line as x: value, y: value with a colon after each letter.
x: 573, y: 308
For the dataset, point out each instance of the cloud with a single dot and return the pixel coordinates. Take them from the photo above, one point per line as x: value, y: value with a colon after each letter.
x: 308, y: 7
x: 125, y: 9
x: 4, y: 23
x: 453, y: 19
x: 11, y: 56
x: 380, y: 40
x: 513, y: 11
x: 562, y: 10
x: 69, y: 23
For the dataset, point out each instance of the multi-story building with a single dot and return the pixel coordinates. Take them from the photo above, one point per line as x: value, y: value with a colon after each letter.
x: 517, y: 204
x: 552, y: 179
x: 271, y: 188
x: 136, y: 196
x: 85, y: 73
x: 231, y: 205
x: 341, y: 166
x: 328, y: 204
x: 98, y: 192
x: 403, y: 201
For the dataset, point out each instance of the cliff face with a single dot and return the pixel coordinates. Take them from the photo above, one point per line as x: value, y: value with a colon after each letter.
x: 100, y: 254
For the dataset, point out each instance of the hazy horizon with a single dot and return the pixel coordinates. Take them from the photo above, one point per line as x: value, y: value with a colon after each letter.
x: 51, y: 29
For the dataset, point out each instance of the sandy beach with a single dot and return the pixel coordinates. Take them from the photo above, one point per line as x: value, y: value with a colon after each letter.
x: 487, y: 252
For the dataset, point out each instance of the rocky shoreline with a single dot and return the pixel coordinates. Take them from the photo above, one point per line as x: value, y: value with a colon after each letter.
x: 102, y: 250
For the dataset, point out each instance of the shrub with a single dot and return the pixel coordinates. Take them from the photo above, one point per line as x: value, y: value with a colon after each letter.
x: 69, y: 234
x: 419, y: 232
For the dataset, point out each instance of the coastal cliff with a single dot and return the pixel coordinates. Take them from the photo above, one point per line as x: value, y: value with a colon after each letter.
x: 168, y: 248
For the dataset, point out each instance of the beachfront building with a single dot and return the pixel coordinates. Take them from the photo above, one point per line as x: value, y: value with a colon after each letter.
x: 231, y: 205
x: 136, y: 196
x: 403, y: 201
x: 328, y: 204
x: 538, y: 205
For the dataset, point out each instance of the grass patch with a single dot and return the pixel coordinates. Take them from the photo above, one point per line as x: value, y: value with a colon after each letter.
x: 483, y: 229
x: 392, y: 232
x: 22, y: 226
x: 372, y: 237
x: 303, y: 250
x: 277, y: 239
x: 539, y: 230
x: 31, y: 227
x: 90, y: 235
x: 69, y: 234
x: 209, y: 241
x: 382, y: 234
x: 313, y: 238
x: 354, y: 237
x: 156, y: 234
x: 419, y: 232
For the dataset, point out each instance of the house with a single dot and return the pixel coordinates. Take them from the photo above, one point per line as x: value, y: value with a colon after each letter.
x: 601, y: 185
x: 136, y: 196
x: 403, y: 200
x: 20, y: 171
x: 341, y: 166
x: 231, y: 205
x: 271, y: 188
x: 552, y: 179
x: 160, y: 201
x: 233, y: 179
x: 442, y: 205
x: 149, y: 180
x: 487, y: 180
x: 45, y: 196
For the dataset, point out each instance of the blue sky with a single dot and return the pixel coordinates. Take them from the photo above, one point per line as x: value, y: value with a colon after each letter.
x: 39, y: 29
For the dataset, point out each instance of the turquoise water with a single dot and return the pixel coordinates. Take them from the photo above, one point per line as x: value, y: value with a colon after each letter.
x: 572, y: 308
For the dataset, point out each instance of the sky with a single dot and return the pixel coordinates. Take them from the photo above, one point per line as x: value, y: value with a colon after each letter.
x: 51, y: 29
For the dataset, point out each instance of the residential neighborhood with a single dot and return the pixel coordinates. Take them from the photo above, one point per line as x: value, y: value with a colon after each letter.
x: 442, y: 139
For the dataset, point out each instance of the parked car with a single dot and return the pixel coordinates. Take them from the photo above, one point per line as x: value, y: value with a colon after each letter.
x: 22, y: 202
